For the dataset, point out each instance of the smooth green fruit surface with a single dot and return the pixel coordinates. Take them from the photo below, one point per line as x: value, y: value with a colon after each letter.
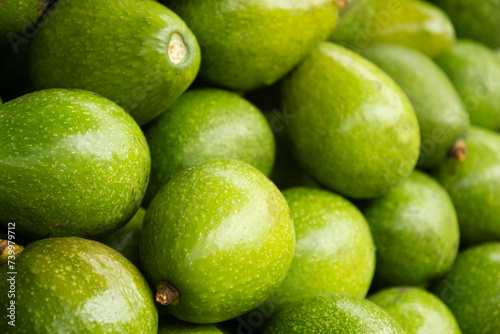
x: 415, y: 230
x: 474, y: 187
x: 352, y: 129
x: 416, y: 24
x: 207, y: 124
x: 333, y: 313
x: 477, y: 20
x: 334, y: 250
x: 74, y: 285
x: 254, y: 43
x: 441, y: 114
x: 73, y: 163
x: 472, y: 289
x: 417, y: 311
x: 17, y: 15
x: 138, y: 54
x: 222, y: 234
x: 187, y: 328
x: 474, y: 70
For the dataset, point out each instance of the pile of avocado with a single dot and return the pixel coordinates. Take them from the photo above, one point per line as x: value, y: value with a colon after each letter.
x: 255, y: 166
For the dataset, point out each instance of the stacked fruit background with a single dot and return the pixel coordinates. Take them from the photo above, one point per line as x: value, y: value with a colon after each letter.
x: 250, y: 166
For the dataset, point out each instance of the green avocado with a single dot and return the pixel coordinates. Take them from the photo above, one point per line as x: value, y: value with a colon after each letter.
x: 440, y: 111
x: 474, y: 187
x: 417, y: 310
x: 474, y: 70
x: 352, y: 128
x: 415, y: 230
x: 138, y: 54
x: 334, y: 250
x: 73, y: 164
x: 126, y: 239
x: 178, y: 327
x: 207, y: 124
x: 74, y: 285
x: 333, y: 313
x: 18, y: 15
x: 416, y: 24
x: 217, y: 241
x: 472, y: 289
x: 253, y: 43
x: 476, y: 20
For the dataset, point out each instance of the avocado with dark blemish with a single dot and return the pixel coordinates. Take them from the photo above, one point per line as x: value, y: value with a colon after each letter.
x: 472, y: 289
x: 207, y: 124
x: 73, y: 164
x: 415, y: 230
x: 253, y: 43
x: 351, y: 127
x: 440, y: 111
x: 333, y: 313
x: 16, y: 16
x: 74, y: 285
x: 138, y: 54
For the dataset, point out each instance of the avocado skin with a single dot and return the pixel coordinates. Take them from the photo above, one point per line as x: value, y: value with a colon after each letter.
x: 415, y: 230
x: 253, y: 43
x: 73, y: 164
x: 353, y: 129
x: 472, y: 289
x: 222, y: 234
x: 118, y: 49
x: 474, y: 70
x: 187, y: 328
x: 415, y: 24
x: 74, y: 285
x: 474, y: 187
x: 476, y: 20
x: 17, y: 15
x: 333, y: 313
x: 207, y: 124
x: 416, y: 310
x: 440, y: 111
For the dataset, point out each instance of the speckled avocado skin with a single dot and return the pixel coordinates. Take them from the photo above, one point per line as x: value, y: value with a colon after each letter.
x: 16, y: 15
x: 474, y: 70
x: 73, y: 164
x: 253, y: 43
x: 187, y: 328
x: 74, y: 285
x: 334, y: 250
x: 416, y: 310
x: 118, y: 49
x: 477, y: 20
x: 415, y: 230
x: 351, y: 127
x: 222, y: 234
x: 474, y: 187
x: 416, y: 24
x: 472, y: 289
x: 207, y: 124
x: 441, y: 114
x: 333, y: 313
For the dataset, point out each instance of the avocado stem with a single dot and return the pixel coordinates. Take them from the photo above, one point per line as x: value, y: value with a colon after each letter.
x: 458, y: 150
x: 167, y: 294
x: 342, y: 3
x: 8, y: 248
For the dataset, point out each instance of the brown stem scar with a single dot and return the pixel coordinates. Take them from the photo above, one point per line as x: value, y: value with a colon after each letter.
x: 458, y: 150
x: 167, y: 294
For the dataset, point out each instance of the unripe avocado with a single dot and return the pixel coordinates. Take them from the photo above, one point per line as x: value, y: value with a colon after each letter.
x: 440, y: 111
x: 187, y: 328
x: 74, y: 285
x: 207, y: 124
x: 353, y: 129
x: 16, y: 15
x: 252, y: 43
x: 474, y: 187
x: 472, y: 289
x: 138, y: 54
x: 415, y: 230
x: 417, y: 311
x: 217, y: 241
x: 416, y: 24
x: 333, y: 313
x: 73, y: 164
x: 475, y: 71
